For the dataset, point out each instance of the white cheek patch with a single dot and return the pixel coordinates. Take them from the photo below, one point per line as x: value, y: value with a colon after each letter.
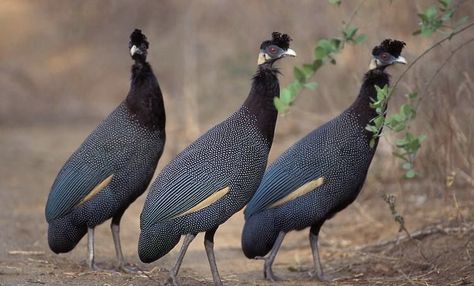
x: 206, y: 202
x: 133, y: 50
x: 304, y: 189
x: 373, y: 64
x: 261, y: 58
x: 96, y: 190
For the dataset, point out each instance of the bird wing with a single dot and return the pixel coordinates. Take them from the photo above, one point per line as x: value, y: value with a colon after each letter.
x: 74, y: 186
x: 292, y: 175
x: 185, y: 186
x: 90, y: 169
x: 203, y: 173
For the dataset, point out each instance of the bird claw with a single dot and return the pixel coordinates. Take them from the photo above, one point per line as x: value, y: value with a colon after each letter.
x: 270, y: 276
x: 94, y: 268
x: 320, y: 276
x: 128, y: 268
x: 172, y: 280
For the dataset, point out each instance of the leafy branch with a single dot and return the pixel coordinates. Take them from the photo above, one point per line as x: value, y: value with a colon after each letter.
x: 436, y: 17
x: 324, y: 53
x: 407, y: 147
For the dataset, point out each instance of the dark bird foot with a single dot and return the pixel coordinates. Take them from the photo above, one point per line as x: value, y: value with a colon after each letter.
x: 320, y: 276
x: 128, y: 268
x: 94, y: 268
x: 172, y: 280
x: 270, y: 276
x: 273, y: 278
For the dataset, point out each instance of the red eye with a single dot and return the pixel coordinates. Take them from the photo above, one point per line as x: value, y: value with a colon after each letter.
x: 272, y: 50
x: 385, y: 56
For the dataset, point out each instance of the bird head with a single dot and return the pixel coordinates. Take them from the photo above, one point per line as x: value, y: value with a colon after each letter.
x: 387, y: 53
x: 276, y: 48
x: 138, y: 45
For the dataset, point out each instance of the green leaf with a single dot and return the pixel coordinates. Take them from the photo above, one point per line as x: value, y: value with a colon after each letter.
x: 299, y: 75
x: 279, y: 105
x: 286, y: 97
x: 372, y: 129
x: 329, y: 45
x: 447, y: 16
x: 378, y: 122
x: 335, y: 2
x: 311, y: 85
x: 407, y: 166
x: 410, y: 174
x: 320, y: 53
x: 308, y: 70
x: 445, y: 4
x: 372, y: 142
x: 408, y: 111
x: 349, y: 32
x: 431, y: 12
x: 412, y: 95
x: 360, y: 39
x: 294, y: 87
x: 400, y: 156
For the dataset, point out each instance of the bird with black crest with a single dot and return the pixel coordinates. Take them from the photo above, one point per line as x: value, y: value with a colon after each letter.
x: 217, y: 174
x: 113, y: 166
x: 319, y: 175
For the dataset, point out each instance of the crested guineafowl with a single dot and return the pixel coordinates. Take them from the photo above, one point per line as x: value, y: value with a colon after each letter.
x: 113, y: 166
x: 319, y: 175
x: 216, y: 175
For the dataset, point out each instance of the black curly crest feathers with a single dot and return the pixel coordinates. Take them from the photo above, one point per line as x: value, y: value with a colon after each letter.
x: 137, y: 38
x: 278, y: 39
x: 393, y: 47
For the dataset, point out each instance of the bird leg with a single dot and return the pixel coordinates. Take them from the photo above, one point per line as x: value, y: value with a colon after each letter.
x: 267, y: 268
x: 90, y: 250
x: 318, y: 268
x: 209, y: 246
x: 115, y: 228
x: 172, y: 278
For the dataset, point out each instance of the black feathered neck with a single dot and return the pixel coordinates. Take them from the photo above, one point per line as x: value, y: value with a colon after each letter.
x: 145, y: 100
x: 361, y: 106
x: 265, y: 87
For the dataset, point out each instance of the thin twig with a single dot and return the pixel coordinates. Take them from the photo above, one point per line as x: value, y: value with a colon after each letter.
x: 356, y: 10
x: 420, y: 234
x: 438, y: 70
x: 449, y: 37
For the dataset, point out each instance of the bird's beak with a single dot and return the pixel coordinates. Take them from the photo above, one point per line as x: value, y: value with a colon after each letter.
x: 289, y: 53
x: 400, y: 60
x: 261, y: 58
x: 135, y: 50
x: 373, y: 64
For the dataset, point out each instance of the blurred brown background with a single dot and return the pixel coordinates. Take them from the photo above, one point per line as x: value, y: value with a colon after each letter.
x: 64, y: 65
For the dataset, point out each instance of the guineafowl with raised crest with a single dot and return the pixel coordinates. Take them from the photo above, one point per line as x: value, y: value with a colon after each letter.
x: 217, y: 174
x: 319, y: 175
x: 113, y: 166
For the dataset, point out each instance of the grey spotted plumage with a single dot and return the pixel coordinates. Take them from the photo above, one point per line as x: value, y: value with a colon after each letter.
x: 215, y: 176
x: 117, y: 160
x: 337, y: 153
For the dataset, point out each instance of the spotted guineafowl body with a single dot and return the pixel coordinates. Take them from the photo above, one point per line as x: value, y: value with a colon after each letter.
x: 214, y: 177
x: 314, y: 179
x: 338, y: 152
x: 233, y: 154
x: 119, y: 147
x: 114, y: 164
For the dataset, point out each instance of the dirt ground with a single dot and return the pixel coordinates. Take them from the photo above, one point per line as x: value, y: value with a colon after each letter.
x: 352, y: 245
